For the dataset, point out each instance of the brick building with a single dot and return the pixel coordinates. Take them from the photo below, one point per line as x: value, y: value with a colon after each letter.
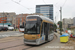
x: 3, y: 19
x: 21, y: 19
x: 7, y: 17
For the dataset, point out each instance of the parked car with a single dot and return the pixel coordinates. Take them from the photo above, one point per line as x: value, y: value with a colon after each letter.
x: 10, y: 28
x: 4, y: 28
x: 0, y: 28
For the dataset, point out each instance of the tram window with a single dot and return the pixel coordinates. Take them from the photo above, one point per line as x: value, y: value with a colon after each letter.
x: 42, y: 29
x: 38, y: 28
x: 51, y: 28
x: 45, y: 28
x: 48, y: 29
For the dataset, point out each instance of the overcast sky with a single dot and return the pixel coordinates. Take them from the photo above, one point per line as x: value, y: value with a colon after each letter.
x: 29, y: 6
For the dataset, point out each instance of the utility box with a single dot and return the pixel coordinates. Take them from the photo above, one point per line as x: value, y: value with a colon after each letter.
x: 64, y: 38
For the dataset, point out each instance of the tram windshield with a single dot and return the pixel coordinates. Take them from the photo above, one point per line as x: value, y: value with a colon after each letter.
x: 32, y: 28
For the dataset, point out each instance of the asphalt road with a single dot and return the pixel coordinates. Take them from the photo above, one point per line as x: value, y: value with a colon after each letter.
x: 9, y: 33
x: 17, y: 43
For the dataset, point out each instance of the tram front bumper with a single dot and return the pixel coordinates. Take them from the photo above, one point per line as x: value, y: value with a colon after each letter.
x: 32, y: 42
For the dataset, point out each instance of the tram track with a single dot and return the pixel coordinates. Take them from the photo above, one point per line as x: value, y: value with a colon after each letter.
x: 11, y: 47
x: 10, y: 40
x: 30, y: 46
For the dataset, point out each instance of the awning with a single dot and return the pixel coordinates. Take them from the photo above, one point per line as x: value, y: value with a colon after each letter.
x: 5, y: 24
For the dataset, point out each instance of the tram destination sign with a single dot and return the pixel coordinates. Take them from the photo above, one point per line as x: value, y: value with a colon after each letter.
x: 31, y: 19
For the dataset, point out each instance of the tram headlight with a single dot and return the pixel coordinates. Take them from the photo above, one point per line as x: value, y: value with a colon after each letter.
x: 38, y: 36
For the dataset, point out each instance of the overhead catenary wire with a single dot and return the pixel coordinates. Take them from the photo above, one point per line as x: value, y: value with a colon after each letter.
x: 54, y: 5
x: 21, y: 5
x: 64, y: 3
x: 44, y: 1
x: 57, y: 2
x: 19, y: 0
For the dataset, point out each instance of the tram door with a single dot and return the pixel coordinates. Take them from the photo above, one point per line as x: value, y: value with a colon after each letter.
x: 46, y: 31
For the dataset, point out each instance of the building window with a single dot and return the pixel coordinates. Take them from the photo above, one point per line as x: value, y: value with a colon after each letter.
x: 7, y: 13
x: 20, y: 20
x: 5, y: 16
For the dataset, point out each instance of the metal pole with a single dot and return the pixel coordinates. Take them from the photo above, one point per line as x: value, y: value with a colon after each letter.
x: 55, y: 19
x: 61, y: 14
x: 15, y: 24
x: 60, y: 18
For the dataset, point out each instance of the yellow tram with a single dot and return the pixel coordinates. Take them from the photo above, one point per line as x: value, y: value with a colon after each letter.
x: 38, y: 29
